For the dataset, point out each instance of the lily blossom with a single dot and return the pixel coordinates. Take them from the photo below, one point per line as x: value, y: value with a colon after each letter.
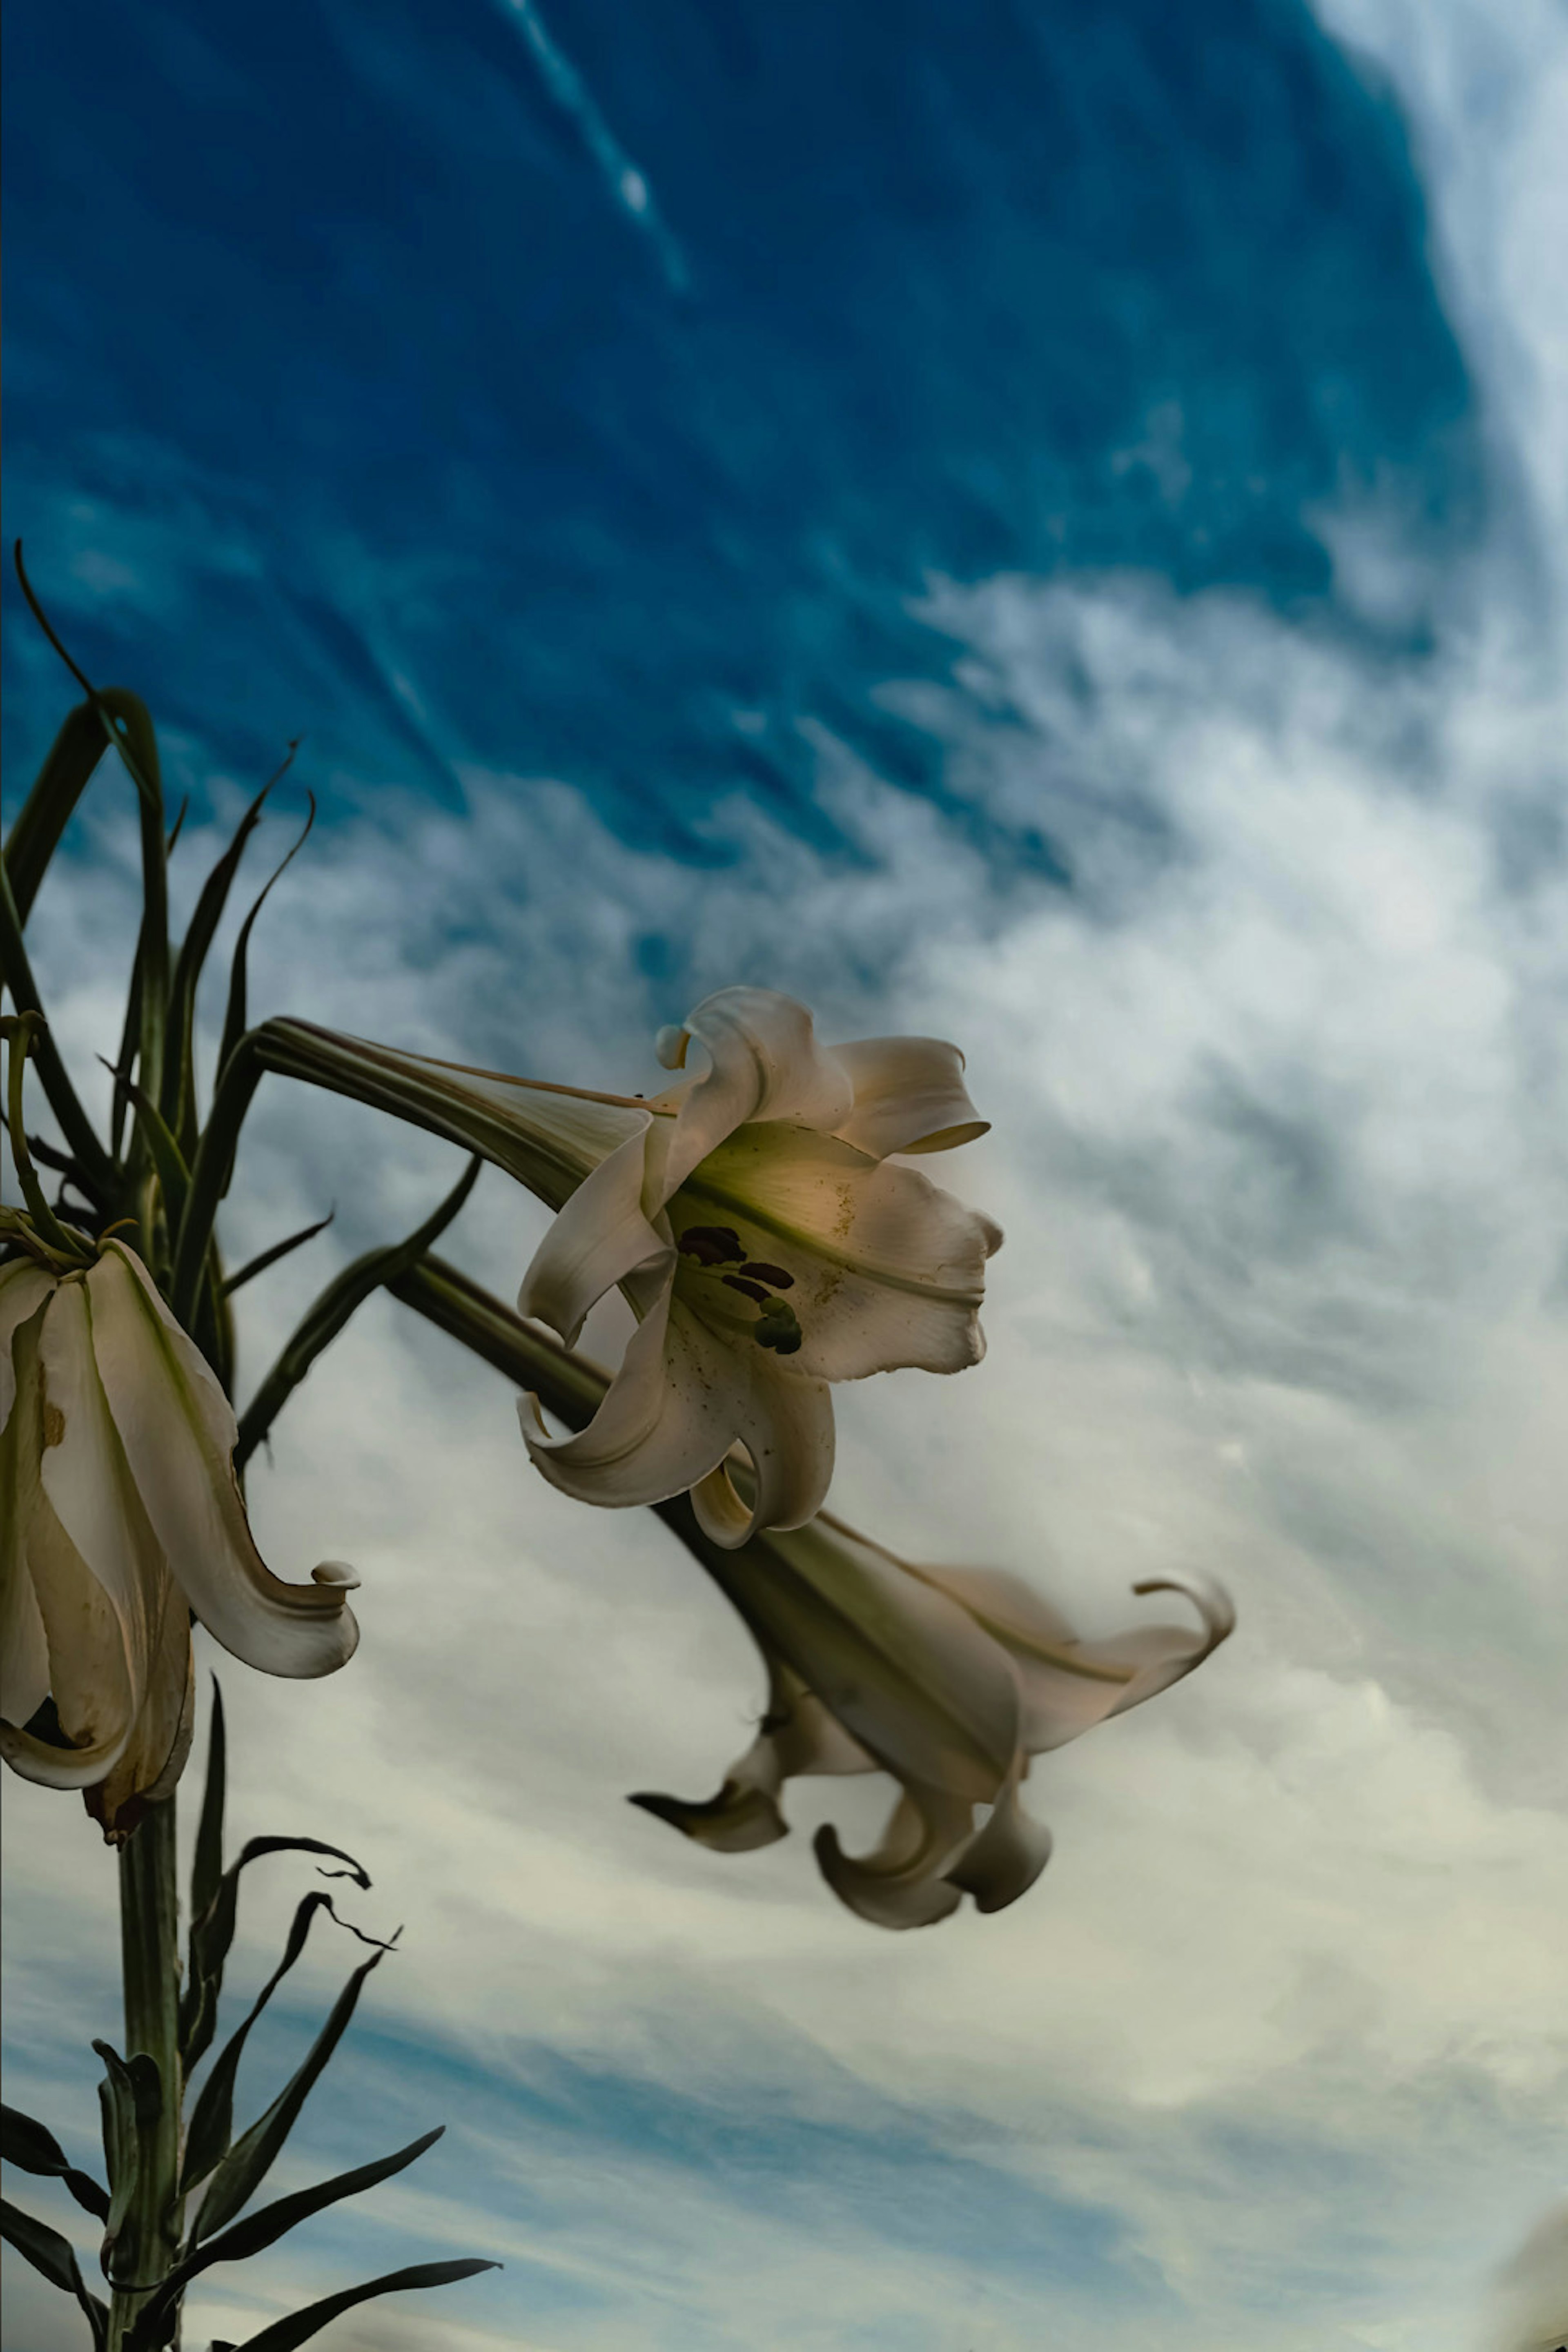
x: 756, y: 1215
x: 122, y: 1516
x: 950, y: 1680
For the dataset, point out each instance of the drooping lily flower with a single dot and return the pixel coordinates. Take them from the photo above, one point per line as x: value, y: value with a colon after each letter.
x: 755, y: 1217
x: 949, y: 1679
x: 121, y: 1515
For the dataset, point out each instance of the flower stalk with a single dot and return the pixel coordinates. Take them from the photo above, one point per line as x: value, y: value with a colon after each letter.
x: 150, y: 1963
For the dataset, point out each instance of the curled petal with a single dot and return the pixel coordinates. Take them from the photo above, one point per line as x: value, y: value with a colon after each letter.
x: 599, y: 1238
x: 670, y: 1417
x: 910, y: 1096
x: 797, y: 1735
x: 902, y: 1883
x: 1005, y: 1857
x: 766, y: 1063
x: 178, y: 1433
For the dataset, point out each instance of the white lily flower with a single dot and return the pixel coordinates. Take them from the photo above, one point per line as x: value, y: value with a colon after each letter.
x: 122, y: 1517
x: 949, y: 1679
x: 754, y: 1216
x: 769, y: 1247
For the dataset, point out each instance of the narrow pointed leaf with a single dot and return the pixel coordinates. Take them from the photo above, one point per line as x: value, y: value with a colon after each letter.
x: 249, y: 2161
x: 284, y: 2334
x: 267, y: 1257
x: 208, y: 2139
x: 43, y: 816
x: 121, y: 2147
x: 213, y: 1933
x: 98, y: 1170
x: 33, y: 2147
x: 178, y: 1099
x: 206, y: 1865
x: 340, y: 1299
x: 259, y: 2230
x: 56, y: 2258
x: 174, y: 1175
x: 235, y: 1020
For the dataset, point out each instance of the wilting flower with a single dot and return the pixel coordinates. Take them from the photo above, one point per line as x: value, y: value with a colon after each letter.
x: 754, y: 1216
x: 949, y: 1679
x: 121, y: 1515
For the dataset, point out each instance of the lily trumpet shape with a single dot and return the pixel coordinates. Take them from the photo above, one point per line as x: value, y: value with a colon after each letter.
x: 950, y: 1680
x: 122, y: 1517
x: 756, y: 1216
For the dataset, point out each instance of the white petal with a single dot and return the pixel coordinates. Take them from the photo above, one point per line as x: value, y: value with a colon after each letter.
x: 784, y: 1421
x: 178, y: 1431
x: 797, y: 1735
x: 95, y: 1698
x: 902, y: 1884
x: 1003, y: 1860
x: 885, y: 1269
x: 1069, y: 1685
x: 96, y: 1658
x: 659, y: 1429
x: 24, y: 1652
x: 22, y: 1287
x: 910, y: 1096
x: 906, y: 1672
x: 599, y: 1238
x: 765, y: 1065
x: 155, y: 1755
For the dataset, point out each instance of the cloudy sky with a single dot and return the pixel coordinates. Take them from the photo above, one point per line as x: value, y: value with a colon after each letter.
x: 1039, y: 525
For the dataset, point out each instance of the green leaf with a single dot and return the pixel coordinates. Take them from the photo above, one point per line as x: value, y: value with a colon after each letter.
x: 264, y: 1258
x: 208, y: 2139
x: 177, y: 1101
x: 212, y: 1934
x: 249, y: 2161
x: 34, y: 2147
x: 121, y: 2144
x: 207, y: 1867
x: 56, y: 2258
x: 259, y: 2230
x: 173, y: 1176
x: 340, y: 1299
x: 235, y: 1018
x: 301, y: 2325
x: 239, y: 1074
x: 64, y: 775
x: 36, y: 2151
x: 98, y: 1171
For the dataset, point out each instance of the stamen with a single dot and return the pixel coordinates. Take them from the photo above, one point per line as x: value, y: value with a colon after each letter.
x: 773, y: 1274
x: 753, y: 1289
x: 778, y: 1327
x: 711, y: 1244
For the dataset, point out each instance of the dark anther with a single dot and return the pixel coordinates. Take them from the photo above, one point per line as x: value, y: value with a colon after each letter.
x: 773, y: 1274
x: 753, y: 1289
x: 778, y: 1327
x: 711, y: 1244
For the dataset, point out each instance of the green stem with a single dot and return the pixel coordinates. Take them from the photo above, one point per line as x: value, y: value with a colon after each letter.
x: 150, y: 1963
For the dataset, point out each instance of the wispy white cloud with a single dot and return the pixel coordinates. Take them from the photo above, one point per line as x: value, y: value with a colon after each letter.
x: 1280, y: 1096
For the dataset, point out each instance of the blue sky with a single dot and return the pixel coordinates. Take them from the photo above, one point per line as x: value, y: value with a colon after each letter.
x: 1037, y: 525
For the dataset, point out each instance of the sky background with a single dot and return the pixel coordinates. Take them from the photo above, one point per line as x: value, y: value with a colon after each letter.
x: 1037, y: 525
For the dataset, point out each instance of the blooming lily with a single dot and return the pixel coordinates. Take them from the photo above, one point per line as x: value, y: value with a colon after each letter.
x: 122, y: 1517
x: 949, y: 1679
x: 756, y: 1217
